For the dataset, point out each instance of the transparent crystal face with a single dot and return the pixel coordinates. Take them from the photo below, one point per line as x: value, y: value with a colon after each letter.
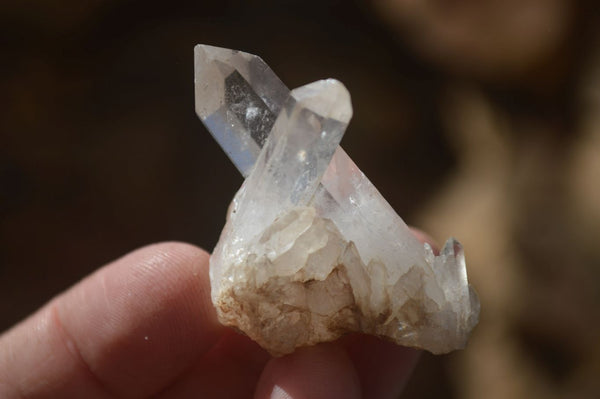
x: 311, y: 249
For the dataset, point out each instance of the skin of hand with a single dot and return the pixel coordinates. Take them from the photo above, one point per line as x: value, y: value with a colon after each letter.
x: 144, y: 326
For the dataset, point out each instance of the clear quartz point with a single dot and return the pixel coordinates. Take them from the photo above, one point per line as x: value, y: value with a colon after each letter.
x: 238, y: 97
x: 310, y: 249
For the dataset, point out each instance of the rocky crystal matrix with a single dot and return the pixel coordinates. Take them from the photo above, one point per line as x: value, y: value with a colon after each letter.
x: 311, y: 250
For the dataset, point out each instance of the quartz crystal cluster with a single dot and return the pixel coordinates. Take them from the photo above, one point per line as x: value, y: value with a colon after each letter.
x: 311, y: 250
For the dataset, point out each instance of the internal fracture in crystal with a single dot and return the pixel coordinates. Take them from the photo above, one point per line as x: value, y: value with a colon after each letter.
x: 310, y: 249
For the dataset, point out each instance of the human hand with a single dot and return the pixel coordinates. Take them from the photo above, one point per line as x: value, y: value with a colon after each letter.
x: 145, y: 326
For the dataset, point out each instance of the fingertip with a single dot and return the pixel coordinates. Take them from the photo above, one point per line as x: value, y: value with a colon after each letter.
x: 321, y: 371
x: 382, y: 366
x: 230, y: 369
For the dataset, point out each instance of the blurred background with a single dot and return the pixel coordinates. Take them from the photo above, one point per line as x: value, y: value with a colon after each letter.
x: 475, y: 118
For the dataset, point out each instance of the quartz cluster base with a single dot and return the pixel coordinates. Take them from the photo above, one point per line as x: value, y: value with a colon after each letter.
x: 310, y: 249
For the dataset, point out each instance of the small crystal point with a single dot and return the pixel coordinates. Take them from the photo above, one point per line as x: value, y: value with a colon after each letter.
x: 311, y: 249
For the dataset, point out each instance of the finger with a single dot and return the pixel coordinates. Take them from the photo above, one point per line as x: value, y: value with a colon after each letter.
x: 383, y: 367
x: 127, y: 330
x: 321, y: 372
x: 229, y: 371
